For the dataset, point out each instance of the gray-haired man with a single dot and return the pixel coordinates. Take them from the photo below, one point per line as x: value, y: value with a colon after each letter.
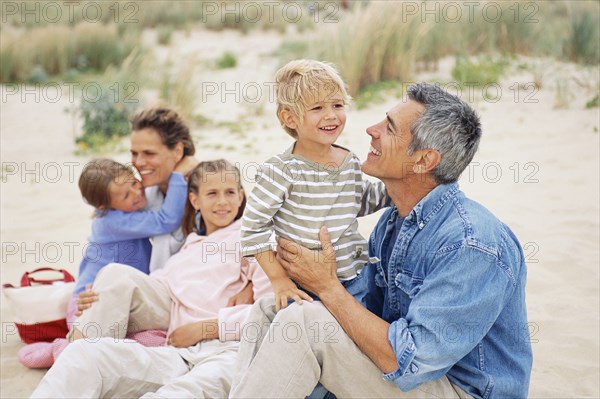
x: 445, y: 296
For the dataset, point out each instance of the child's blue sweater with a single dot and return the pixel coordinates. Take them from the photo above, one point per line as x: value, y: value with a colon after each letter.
x: 123, y: 237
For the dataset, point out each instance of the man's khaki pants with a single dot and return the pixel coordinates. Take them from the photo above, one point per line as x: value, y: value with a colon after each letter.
x: 287, y: 355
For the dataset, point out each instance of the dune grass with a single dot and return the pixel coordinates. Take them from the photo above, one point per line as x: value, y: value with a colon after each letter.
x: 388, y: 41
x: 179, y: 88
x: 56, y: 49
x: 583, y: 42
x: 384, y: 50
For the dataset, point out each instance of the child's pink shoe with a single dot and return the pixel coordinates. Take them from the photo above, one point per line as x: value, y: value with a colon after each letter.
x: 150, y: 337
x: 58, y: 345
x: 37, y: 355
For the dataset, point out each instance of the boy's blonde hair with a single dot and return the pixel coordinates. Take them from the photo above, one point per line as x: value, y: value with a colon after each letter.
x: 299, y: 80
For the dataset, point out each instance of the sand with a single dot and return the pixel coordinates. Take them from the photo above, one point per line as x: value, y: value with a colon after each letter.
x: 537, y: 170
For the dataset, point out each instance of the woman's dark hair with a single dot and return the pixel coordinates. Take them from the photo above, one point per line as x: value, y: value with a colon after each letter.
x: 196, y: 176
x: 169, y: 125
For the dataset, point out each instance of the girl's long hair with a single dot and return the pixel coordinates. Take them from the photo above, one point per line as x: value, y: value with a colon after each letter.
x: 196, y: 176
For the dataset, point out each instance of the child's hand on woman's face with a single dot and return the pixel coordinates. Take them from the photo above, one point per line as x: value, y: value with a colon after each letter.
x: 285, y: 289
x: 186, y: 165
x: 85, y: 300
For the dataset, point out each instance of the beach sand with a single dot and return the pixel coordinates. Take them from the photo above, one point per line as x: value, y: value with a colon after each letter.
x: 537, y: 170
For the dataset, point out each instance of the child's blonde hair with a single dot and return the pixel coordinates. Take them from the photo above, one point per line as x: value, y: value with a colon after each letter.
x: 95, y: 181
x: 299, y: 80
x: 198, y: 175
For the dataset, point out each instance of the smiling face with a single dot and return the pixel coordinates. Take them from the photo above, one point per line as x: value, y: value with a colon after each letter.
x: 154, y: 160
x: 126, y: 193
x: 323, y: 122
x: 218, y: 199
x: 390, y: 139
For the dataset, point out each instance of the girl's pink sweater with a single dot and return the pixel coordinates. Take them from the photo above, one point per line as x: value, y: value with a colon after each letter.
x: 204, y: 274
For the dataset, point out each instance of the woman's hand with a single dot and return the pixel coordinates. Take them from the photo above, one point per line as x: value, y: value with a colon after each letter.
x: 186, y: 165
x: 192, y: 333
x: 85, y: 300
x: 244, y: 297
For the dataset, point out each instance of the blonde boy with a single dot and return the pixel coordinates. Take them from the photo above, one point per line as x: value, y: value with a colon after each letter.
x: 313, y: 183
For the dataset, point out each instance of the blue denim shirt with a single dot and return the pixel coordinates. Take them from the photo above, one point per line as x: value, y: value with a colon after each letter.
x: 453, y: 290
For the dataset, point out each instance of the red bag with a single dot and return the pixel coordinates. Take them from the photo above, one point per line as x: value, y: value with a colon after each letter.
x: 39, y: 306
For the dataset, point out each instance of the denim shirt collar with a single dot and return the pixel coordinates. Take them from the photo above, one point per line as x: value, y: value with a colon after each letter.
x: 426, y: 209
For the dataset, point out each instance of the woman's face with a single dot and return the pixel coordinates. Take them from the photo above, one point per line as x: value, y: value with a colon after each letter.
x: 152, y: 158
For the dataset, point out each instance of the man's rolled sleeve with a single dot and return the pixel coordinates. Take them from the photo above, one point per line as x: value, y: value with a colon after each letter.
x: 404, y: 347
x: 466, y: 291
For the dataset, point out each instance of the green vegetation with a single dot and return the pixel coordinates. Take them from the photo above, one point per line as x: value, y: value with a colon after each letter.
x: 385, y: 49
x: 480, y: 72
x: 106, y: 107
x: 593, y: 103
x: 375, y: 45
x: 136, y: 15
x: 37, y: 74
x: 234, y: 127
x: 54, y: 50
x: 376, y: 93
x: 584, y: 41
x: 397, y: 38
x: 227, y: 60
x: 87, y: 36
x: 292, y: 49
x: 164, y: 34
x: 104, y: 122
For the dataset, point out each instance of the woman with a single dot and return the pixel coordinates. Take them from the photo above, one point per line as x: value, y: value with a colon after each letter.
x: 160, y: 141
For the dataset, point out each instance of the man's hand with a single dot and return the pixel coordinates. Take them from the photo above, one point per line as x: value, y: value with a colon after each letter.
x: 192, y: 333
x: 244, y: 297
x: 85, y: 300
x: 313, y: 270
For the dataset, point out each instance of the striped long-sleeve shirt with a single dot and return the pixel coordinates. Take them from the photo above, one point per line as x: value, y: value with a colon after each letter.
x: 294, y: 197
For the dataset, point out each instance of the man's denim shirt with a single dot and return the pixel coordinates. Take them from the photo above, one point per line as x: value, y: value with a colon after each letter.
x: 454, y: 293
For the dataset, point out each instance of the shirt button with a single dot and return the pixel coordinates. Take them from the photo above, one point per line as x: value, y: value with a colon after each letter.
x: 414, y: 368
x: 421, y: 225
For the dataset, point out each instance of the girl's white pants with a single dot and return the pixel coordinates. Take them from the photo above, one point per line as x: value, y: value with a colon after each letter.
x: 110, y: 368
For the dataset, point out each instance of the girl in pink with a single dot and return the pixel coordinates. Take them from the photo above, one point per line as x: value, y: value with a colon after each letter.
x: 189, y: 297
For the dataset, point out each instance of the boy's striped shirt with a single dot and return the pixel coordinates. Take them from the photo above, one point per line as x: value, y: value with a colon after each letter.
x: 294, y: 197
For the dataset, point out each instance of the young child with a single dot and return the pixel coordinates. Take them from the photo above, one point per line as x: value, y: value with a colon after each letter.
x: 120, y: 234
x: 190, y: 296
x: 313, y: 183
x: 121, y: 227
